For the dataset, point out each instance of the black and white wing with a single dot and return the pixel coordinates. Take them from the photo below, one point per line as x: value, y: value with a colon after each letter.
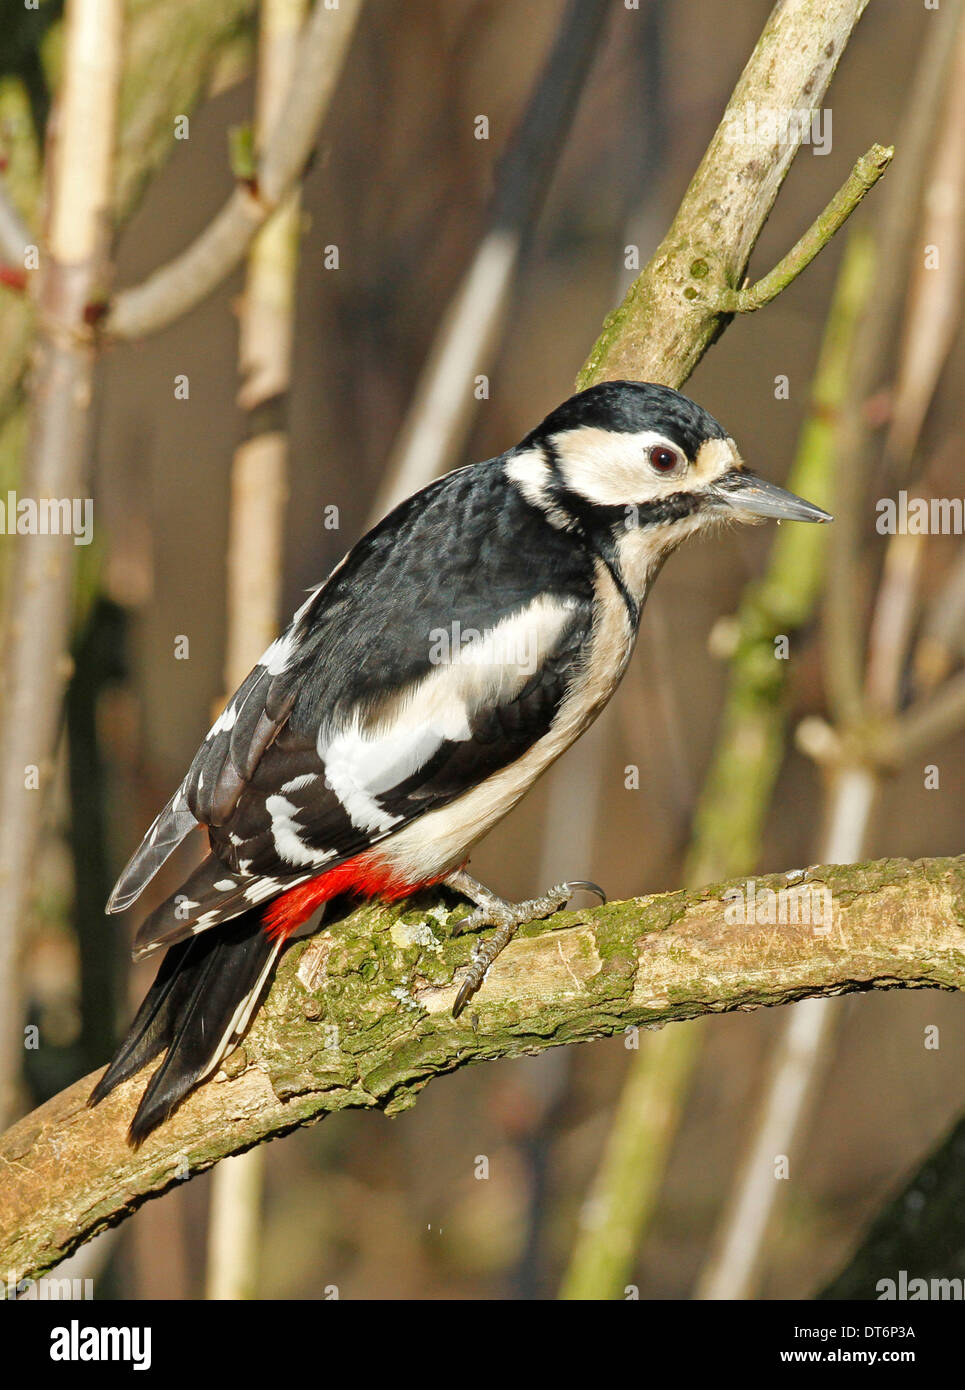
x: 232, y: 747
x: 400, y: 685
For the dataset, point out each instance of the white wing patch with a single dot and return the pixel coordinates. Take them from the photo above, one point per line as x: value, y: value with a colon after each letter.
x: 275, y: 659
x: 295, y: 785
x: 287, y: 834
x: 442, y: 837
x: 224, y: 722
x: 473, y: 671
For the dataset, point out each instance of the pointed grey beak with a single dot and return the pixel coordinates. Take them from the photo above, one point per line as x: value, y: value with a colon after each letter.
x: 745, y: 492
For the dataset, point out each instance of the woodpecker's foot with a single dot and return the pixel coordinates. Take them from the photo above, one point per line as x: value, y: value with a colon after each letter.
x: 492, y: 911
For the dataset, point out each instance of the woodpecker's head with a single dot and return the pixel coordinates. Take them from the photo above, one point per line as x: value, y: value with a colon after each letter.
x: 641, y: 467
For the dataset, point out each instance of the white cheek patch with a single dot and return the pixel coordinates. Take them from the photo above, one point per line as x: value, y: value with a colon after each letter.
x: 613, y: 469
x: 715, y: 457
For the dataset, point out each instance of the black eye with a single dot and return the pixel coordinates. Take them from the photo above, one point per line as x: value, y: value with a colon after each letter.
x: 664, y: 460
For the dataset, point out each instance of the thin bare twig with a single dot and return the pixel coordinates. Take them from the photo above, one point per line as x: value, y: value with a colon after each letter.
x: 184, y: 282
x: 259, y: 489
x: 671, y: 313
x: 863, y: 177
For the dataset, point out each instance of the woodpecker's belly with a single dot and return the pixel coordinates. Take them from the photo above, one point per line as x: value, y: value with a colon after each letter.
x: 440, y: 839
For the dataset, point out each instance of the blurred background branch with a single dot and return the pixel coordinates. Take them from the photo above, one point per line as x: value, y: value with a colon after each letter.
x: 35, y: 667
x: 178, y: 41
x: 14, y: 236
x: 920, y: 1233
x: 256, y: 524
x: 279, y: 162
x: 440, y: 414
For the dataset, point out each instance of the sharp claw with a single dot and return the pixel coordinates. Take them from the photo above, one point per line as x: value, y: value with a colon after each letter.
x: 466, y: 990
x: 505, y: 917
x: 587, y: 886
x: 471, y: 923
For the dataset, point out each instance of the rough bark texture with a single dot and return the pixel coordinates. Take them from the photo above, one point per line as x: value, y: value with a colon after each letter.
x: 360, y: 1017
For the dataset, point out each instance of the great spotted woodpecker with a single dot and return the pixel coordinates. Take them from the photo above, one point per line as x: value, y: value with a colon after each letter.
x: 449, y: 659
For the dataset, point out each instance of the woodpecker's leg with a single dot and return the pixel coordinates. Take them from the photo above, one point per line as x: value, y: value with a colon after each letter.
x: 492, y: 911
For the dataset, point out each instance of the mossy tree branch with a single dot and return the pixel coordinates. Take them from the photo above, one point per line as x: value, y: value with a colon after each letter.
x: 360, y: 1017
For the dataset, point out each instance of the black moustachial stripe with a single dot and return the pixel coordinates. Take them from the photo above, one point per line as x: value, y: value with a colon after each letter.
x: 666, y: 509
x: 598, y: 525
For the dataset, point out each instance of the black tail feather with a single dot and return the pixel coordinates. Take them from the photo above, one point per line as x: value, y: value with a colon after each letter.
x: 151, y: 1031
x: 199, y: 1004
